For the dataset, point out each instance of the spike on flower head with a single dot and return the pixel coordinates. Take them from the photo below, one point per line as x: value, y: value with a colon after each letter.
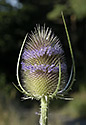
x: 40, y: 63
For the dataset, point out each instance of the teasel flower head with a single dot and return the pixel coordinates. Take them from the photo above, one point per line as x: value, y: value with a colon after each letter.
x: 40, y: 63
x: 43, y: 69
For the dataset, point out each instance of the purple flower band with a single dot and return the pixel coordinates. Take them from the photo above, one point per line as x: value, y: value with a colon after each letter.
x: 43, y: 50
x: 43, y: 68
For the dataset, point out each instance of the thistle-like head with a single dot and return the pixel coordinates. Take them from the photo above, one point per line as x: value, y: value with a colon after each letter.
x: 41, y: 56
x: 43, y: 68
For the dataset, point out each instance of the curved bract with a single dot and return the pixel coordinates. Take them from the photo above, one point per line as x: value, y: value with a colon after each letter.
x: 72, y: 74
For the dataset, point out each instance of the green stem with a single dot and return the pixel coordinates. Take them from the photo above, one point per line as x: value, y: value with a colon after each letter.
x: 44, y: 110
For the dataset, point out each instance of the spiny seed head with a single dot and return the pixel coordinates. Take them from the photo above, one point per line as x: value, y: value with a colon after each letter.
x: 40, y: 63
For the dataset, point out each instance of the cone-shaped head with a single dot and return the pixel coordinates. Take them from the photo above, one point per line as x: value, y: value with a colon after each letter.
x: 40, y: 63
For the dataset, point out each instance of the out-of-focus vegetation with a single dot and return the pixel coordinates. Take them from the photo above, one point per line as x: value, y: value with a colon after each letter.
x: 15, y: 22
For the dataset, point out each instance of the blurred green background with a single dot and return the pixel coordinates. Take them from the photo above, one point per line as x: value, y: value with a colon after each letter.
x: 17, y: 17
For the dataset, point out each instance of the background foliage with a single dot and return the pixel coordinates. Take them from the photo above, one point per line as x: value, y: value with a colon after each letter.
x: 18, y: 19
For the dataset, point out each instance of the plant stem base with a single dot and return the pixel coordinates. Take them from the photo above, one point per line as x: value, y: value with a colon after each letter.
x: 44, y: 110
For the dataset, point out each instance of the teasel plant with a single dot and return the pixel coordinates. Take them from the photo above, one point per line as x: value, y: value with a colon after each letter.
x: 42, y: 68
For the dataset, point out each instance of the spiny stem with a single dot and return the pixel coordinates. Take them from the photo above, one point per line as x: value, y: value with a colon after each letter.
x: 44, y: 110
